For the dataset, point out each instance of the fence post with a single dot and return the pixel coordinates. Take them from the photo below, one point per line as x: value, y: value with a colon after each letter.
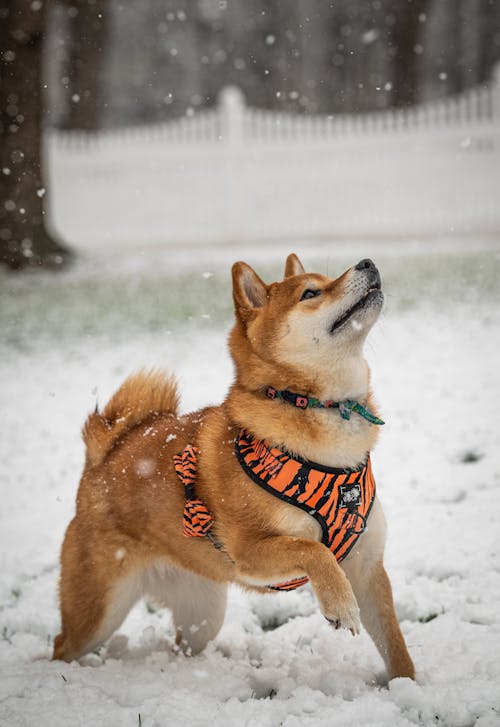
x: 232, y: 109
x: 232, y: 120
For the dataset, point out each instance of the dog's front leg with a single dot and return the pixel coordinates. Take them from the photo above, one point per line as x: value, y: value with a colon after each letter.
x: 276, y: 559
x: 374, y: 593
x: 365, y: 569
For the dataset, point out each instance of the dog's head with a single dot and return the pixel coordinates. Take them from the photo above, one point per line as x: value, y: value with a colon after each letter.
x: 307, y: 330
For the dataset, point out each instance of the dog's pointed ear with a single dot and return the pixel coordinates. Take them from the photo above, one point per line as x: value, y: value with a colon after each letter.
x: 249, y: 291
x: 293, y: 266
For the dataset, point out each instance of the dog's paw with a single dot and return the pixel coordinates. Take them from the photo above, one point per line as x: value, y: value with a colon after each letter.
x: 345, y: 617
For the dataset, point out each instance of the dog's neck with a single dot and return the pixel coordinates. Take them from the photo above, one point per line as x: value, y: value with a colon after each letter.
x: 319, y: 435
x: 351, y: 380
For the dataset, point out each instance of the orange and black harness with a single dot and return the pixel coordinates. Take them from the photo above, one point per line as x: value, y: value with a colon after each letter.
x: 339, y: 499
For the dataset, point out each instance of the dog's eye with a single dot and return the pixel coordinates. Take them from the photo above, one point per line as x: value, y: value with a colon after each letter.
x: 309, y: 294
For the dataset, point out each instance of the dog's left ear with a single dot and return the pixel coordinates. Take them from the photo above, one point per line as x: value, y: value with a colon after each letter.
x: 249, y: 291
x: 293, y: 266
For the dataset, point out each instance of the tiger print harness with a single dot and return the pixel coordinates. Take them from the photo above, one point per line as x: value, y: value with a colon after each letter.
x: 340, y: 500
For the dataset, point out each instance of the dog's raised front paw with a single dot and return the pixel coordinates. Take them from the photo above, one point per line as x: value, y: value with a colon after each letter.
x: 345, y: 618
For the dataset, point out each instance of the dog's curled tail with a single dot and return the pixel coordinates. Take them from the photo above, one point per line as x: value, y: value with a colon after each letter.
x: 141, y: 395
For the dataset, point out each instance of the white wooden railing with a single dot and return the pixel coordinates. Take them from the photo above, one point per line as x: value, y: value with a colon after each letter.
x: 236, y: 173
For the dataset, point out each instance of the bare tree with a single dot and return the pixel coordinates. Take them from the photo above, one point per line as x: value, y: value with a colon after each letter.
x: 24, y: 238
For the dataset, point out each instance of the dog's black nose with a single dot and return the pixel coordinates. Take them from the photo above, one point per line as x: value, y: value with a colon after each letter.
x: 366, y: 264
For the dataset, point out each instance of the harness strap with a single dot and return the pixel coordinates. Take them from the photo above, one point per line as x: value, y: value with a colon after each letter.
x: 290, y: 585
x: 197, y: 520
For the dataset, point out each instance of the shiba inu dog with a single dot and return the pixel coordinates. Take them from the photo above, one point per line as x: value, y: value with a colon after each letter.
x: 268, y: 490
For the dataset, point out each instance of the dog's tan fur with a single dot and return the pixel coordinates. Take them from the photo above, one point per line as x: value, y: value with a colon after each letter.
x: 126, y: 538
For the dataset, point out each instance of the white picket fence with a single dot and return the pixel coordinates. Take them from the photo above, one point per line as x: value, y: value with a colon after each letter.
x: 236, y: 174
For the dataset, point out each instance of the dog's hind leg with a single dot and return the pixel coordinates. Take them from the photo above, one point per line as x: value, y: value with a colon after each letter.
x: 97, y: 590
x: 373, y: 591
x: 198, y: 604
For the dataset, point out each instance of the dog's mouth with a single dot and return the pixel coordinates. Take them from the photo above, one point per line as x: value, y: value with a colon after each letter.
x: 374, y: 292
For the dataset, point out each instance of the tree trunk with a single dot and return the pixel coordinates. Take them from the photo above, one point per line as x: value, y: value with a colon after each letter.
x: 24, y: 239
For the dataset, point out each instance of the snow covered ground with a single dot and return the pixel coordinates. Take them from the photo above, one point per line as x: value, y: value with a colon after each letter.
x: 435, y: 358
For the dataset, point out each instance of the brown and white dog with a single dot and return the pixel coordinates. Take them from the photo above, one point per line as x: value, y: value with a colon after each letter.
x: 304, y: 334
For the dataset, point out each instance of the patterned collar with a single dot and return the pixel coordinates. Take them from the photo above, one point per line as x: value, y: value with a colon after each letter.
x: 345, y: 407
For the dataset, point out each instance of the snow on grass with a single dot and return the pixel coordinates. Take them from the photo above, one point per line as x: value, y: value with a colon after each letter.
x: 434, y: 357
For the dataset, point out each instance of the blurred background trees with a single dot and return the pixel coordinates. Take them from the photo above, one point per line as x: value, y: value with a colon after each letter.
x: 83, y: 29
x: 92, y: 64
x: 165, y: 57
